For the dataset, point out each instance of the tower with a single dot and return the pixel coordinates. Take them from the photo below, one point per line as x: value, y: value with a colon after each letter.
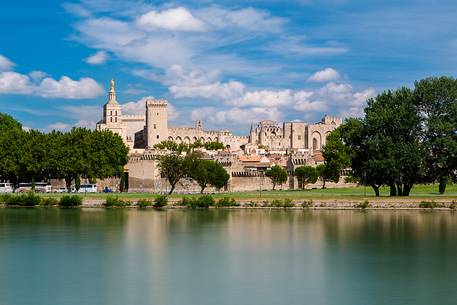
x: 112, y: 113
x: 156, y: 121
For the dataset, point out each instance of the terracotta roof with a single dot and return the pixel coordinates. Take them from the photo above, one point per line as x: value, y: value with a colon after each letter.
x: 250, y: 158
x: 318, y: 157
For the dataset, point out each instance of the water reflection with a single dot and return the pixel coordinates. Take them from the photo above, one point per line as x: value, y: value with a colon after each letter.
x: 123, y: 256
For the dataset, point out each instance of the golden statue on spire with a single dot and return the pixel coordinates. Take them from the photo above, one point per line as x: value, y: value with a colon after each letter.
x: 112, y: 84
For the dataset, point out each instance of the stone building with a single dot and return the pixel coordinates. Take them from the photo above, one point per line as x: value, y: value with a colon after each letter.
x: 144, y: 131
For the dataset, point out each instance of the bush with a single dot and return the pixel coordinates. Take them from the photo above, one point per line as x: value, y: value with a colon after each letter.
x: 307, y: 204
x: 143, y: 203
x: 286, y: 203
x: 4, y: 198
x: 29, y: 200
x: 49, y: 201
x: 199, y: 202
x: 160, y: 201
x: 227, y: 202
x: 115, y: 202
x: 453, y: 205
x: 70, y: 201
x: 363, y: 205
x: 251, y: 204
x: 427, y: 205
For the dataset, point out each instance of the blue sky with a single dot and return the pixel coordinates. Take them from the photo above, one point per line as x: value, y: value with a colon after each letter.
x: 228, y: 63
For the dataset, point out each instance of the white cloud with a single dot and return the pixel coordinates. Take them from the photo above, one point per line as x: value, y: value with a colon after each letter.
x: 215, y: 90
x: 328, y: 74
x: 68, y: 88
x: 59, y: 126
x: 174, y: 19
x: 100, y: 57
x: 314, y: 106
x: 264, y: 98
x: 5, y: 64
x: 237, y: 115
x: 15, y: 83
x: 40, y: 84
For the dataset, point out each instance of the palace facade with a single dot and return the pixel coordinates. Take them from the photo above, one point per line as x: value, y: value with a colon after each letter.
x: 145, y: 130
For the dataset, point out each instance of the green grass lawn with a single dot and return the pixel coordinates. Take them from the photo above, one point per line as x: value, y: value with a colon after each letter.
x: 418, y: 191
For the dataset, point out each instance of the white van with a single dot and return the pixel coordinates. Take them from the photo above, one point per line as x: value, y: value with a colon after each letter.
x: 6, y: 187
x: 88, y: 188
x: 40, y: 187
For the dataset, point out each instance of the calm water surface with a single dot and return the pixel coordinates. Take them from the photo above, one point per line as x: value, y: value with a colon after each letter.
x: 184, y: 257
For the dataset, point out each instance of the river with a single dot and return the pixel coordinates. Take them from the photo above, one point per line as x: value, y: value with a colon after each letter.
x: 218, y: 257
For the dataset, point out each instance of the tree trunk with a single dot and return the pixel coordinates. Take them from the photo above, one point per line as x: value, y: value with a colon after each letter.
x: 202, y: 188
x: 68, y: 184
x: 400, y: 189
x: 172, y: 189
x: 323, y: 185
x: 407, y: 188
x: 393, y: 188
x: 274, y: 185
x: 442, y: 187
x: 376, y: 189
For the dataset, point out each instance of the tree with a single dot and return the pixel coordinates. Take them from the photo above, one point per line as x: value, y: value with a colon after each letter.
x: 305, y: 175
x: 11, y: 139
x: 328, y: 172
x: 277, y: 175
x: 173, y: 167
x: 208, y: 172
x: 436, y: 100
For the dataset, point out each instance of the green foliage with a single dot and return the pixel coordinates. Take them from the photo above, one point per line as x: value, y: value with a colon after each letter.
x: 285, y: 203
x: 307, y: 203
x: 277, y: 175
x: 49, y: 201
x: 204, y: 201
x: 29, y: 199
x: 328, y: 172
x: 208, y: 172
x: 227, y: 202
x: 114, y: 201
x: 122, y: 182
x: 428, y: 205
x: 173, y: 167
x: 160, y: 201
x: 306, y: 175
x: 363, y: 205
x: 183, y: 147
x: 70, y: 201
x: 36, y: 156
x: 143, y: 203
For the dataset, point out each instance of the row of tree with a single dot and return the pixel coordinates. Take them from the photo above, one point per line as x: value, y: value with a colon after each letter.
x: 407, y: 136
x: 188, y: 147
x: 305, y: 175
x: 174, y: 166
x: 80, y: 153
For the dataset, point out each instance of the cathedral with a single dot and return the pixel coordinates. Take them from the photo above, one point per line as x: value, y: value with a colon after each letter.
x: 145, y: 130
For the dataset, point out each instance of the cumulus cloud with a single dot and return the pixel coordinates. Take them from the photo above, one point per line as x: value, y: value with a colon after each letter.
x: 5, y: 63
x: 68, y: 88
x: 215, y: 90
x: 139, y: 107
x: 59, y: 126
x: 328, y: 74
x: 40, y: 84
x: 174, y: 19
x: 100, y: 57
x: 237, y: 115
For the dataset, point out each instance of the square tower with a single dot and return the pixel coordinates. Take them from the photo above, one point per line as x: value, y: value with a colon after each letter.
x: 156, y: 129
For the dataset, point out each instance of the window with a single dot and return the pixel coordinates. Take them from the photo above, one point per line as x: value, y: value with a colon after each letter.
x: 111, y: 112
x: 299, y: 137
x: 116, y: 112
x: 155, y: 126
x: 111, y: 119
x: 115, y: 119
x: 157, y: 136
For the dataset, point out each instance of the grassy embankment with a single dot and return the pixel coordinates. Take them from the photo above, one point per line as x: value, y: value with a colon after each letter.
x: 421, y: 192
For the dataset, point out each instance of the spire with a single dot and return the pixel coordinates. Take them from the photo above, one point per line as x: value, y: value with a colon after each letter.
x: 112, y: 93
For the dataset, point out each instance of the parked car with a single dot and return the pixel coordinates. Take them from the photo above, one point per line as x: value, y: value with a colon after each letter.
x: 40, y: 187
x: 6, y: 187
x: 88, y: 188
x: 60, y: 190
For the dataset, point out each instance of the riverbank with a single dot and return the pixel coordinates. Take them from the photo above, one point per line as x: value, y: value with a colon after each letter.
x: 332, y: 204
